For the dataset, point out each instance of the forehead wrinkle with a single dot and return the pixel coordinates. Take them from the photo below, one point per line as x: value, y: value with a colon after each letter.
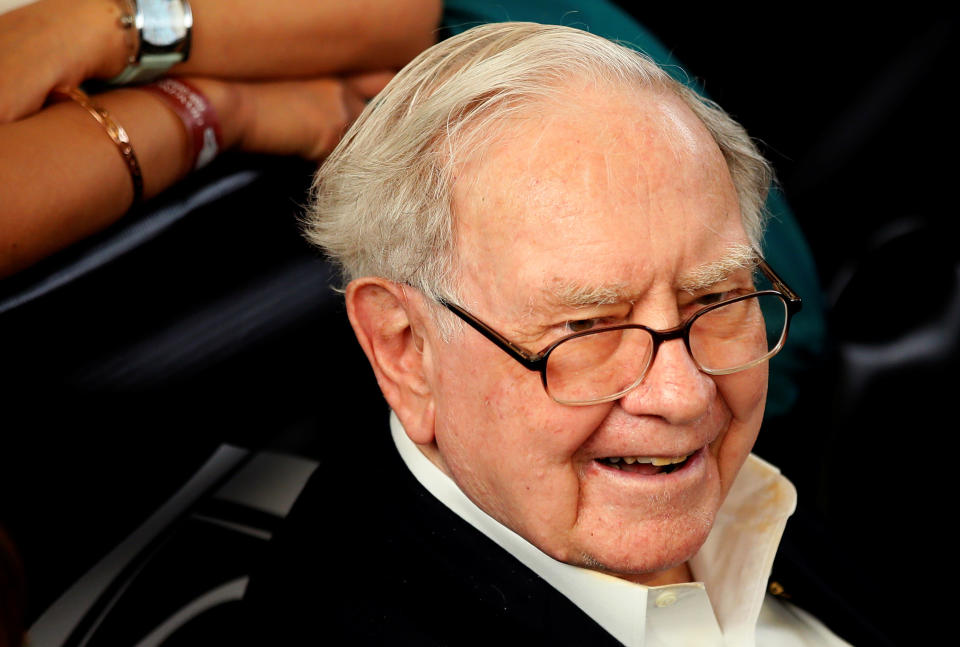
x: 736, y: 257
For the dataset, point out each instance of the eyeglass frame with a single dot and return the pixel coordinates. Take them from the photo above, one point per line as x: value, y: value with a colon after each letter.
x: 538, y: 361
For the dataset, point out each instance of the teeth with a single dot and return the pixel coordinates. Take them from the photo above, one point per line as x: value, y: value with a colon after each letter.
x: 656, y: 461
x: 668, y: 461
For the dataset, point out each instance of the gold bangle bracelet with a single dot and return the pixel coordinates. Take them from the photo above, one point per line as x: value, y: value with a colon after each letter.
x: 116, y: 133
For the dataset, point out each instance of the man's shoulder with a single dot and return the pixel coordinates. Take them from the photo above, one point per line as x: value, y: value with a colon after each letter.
x: 372, y: 556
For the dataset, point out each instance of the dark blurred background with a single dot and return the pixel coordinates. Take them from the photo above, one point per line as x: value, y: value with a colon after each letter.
x: 221, y: 327
x: 851, y: 106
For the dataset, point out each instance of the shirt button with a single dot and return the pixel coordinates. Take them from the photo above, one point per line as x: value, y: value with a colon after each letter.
x: 666, y: 599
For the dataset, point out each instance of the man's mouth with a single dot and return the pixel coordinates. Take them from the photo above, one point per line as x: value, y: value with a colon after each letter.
x: 645, y: 464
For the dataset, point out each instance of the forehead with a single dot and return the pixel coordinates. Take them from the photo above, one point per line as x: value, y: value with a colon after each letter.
x: 611, y: 189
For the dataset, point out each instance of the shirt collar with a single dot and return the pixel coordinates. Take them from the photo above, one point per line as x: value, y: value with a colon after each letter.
x: 733, y: 564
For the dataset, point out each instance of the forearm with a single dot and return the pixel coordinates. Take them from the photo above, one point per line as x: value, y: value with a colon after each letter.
x: 64, y: 179
x: 291, y: 38
x: 64, y: 42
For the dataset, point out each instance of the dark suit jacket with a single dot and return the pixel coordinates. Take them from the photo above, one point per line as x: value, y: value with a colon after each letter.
x: 368, y: 556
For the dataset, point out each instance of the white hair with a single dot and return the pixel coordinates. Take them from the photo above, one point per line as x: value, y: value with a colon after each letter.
x: 381, y: 203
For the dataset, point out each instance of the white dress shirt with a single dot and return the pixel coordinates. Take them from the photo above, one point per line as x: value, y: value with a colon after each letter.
x: 728, y: 607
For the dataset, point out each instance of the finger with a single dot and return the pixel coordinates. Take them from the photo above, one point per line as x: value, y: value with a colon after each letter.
x: 368, y: 84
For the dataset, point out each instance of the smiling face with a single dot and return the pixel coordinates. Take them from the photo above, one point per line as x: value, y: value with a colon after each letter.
x: 608, y: 211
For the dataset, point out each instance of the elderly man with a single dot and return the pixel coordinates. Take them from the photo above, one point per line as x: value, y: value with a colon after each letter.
x: 552, y: 257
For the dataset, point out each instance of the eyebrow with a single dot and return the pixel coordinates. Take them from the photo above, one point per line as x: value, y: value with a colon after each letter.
x: 572, y: 294
x: 577, y: 295
x: 735, y: 258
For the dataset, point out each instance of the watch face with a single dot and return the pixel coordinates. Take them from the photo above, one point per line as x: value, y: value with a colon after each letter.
x: 164, y: 21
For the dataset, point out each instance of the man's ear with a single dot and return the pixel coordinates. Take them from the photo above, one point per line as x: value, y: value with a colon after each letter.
x: 389, y: 327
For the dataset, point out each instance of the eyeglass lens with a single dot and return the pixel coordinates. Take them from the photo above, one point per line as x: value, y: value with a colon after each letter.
x: 733, y: 336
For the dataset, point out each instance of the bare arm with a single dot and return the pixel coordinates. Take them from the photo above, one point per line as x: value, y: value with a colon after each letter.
x: 63, y: 42
x: 294, y: 38
x: 63, y: 178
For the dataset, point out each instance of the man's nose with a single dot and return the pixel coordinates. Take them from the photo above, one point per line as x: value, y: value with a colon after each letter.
x: 673, y: 389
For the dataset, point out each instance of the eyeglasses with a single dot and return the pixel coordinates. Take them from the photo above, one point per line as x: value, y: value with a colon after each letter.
x: 601, y: 365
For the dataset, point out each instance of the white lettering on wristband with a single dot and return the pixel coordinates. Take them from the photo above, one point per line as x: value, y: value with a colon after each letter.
x: 197, y: 115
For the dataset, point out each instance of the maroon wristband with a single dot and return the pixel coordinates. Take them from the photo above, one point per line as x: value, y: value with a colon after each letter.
x: 197, y: 115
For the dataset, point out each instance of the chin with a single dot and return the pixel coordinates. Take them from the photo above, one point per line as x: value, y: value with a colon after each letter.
x: 651, y: 551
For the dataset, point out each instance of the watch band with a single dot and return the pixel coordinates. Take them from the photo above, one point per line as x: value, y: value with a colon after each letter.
x: 147, y: 69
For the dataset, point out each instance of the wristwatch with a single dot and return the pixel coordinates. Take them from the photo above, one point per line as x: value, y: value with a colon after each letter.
x: 161, y: 33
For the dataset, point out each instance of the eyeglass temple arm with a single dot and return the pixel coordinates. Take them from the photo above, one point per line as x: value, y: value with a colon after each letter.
x: 795, y: 301
x: 530, y: 360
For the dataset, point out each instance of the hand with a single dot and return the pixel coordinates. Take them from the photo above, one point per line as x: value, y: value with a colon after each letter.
x: 56, y: 42
x: 305, y: 118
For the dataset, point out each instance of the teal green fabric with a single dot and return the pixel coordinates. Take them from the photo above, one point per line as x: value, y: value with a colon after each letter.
x: 784, y: 246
